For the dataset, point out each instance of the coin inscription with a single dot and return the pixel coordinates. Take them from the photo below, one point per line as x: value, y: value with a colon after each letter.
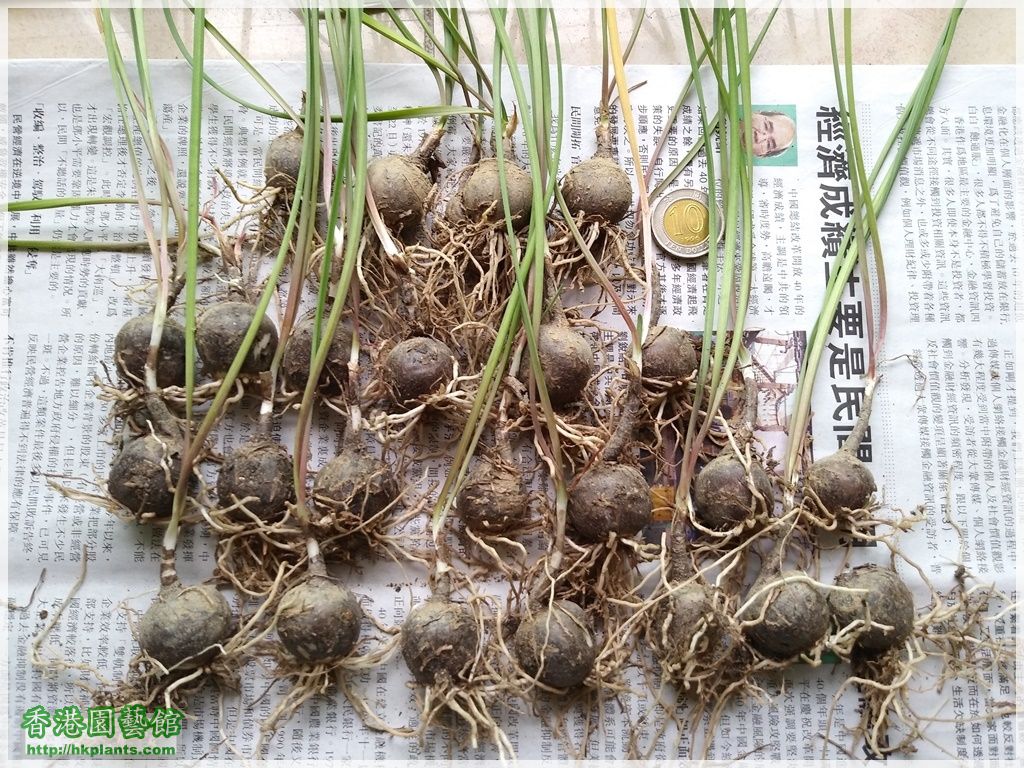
x: 686, y: 222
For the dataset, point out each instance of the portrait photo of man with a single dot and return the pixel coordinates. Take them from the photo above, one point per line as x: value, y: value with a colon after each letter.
x: 773, y: 129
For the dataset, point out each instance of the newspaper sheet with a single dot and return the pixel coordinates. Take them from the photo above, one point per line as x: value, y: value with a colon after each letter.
x: 942, y: 435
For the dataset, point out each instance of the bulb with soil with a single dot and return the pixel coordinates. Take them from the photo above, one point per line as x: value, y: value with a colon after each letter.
x: 479, y: 199
x: 283, y: 159
x: 842, y: 483
x: 688, y: 610
x: 400, y: 187
x: 418, y: 367
x: 723, y: 497
x: 686, y: 624
x: 668, y: 354
x: 185, y: 625
x: 886, y: 601
x: 556, y: 646
x: 258, y: 473
x: 401, y: 184
x: 131, y: 349
x: 297, y: 358
x: 567, y: 362
x: 598, y: 188
x: 354, y: 487
x: 222, y: 328
x: 492, y: 500
x: 440, y: 640
x: 143, y: 475
x: 319, y: 620
x: 145, y: 472
x: 611, y: 496
x: 790, y: 618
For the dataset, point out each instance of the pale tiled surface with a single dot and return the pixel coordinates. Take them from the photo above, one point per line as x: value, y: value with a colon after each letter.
x: 798, y: 36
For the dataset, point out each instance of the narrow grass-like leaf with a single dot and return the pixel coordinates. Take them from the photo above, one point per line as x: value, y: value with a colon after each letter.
x: 886, y: 168
x: 673, y: 174
x: 191, y: 254
x: 20, y: 206
x: 646, y: 236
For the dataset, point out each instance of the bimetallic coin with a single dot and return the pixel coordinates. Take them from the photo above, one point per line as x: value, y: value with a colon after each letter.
x: 681, y: 223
